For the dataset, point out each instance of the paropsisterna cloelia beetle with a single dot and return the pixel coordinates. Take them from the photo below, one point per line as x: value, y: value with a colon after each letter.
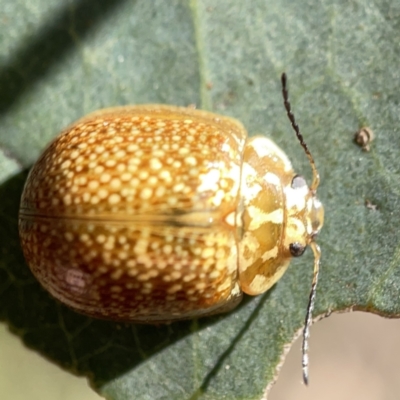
x: 155, y: 213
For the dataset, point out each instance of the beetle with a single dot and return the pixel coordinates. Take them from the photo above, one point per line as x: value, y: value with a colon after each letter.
x: 156, y: 213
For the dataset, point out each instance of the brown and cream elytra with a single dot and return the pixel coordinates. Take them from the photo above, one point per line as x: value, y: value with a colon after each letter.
x: 157, y: 213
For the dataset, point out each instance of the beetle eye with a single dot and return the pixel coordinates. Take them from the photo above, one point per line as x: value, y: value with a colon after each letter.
x: 298, y: 182
x: 297, y: 249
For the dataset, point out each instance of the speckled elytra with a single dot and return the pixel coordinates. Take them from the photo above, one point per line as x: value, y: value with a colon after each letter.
x: 156, y: 213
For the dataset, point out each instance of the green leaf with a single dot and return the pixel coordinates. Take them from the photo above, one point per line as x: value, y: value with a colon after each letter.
x: 62, y: 59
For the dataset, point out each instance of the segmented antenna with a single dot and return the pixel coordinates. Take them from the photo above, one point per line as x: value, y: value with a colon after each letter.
x: 310, y: 307
x: 285, y: 93
x: 315, y: 248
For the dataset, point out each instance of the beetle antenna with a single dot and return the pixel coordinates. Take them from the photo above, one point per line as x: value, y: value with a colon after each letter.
x: 285, y: 93
x: 310, y: 307
x: 314, y: 246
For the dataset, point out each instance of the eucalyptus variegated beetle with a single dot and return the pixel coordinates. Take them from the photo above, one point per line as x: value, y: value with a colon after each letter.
x: 157, y: 213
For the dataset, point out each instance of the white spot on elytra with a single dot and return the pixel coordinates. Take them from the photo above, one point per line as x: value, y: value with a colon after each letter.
x: 155, y: 164
x: 230, y: 219
x: 114, y: 198
x: 209, y: 181
x: 190, y: 160
x: 146, y: 193
x: 104, y: 178
x: 115, y: 183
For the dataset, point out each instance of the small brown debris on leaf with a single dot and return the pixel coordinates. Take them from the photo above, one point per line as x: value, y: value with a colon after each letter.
x: 370, y: 205
x: 363, y: 137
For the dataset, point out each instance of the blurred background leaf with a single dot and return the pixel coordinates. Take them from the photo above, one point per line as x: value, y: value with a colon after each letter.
x: 61, y: 59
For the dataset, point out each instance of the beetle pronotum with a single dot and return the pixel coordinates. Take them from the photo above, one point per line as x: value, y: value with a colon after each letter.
x: 157, y: 213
